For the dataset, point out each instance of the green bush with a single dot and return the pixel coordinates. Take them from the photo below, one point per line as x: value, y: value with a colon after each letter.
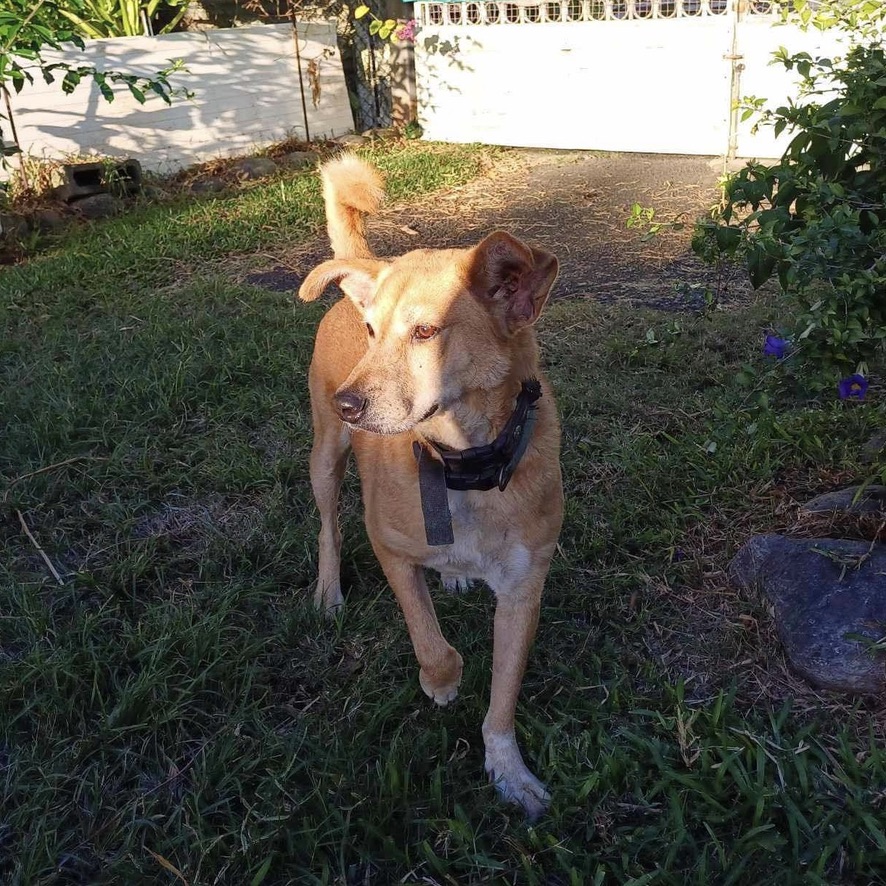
x: 28, y: 30
x: 122, y: 18
x: 815, y: 219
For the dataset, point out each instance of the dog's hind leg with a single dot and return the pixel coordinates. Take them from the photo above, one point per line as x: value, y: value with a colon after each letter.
x: 457, y: 584
x: 329, y: 458
x: 440, y: 665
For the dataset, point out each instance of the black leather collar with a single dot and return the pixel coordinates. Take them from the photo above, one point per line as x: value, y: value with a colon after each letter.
x: 480, y: 468
x: 485, y: 467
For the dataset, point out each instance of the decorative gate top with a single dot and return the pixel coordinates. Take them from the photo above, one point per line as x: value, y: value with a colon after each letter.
x: 494, y: 12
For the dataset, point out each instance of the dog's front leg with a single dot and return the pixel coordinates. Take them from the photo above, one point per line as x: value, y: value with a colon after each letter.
x: 440, y: 665
x: 516, y: 619
x: 329, y: 459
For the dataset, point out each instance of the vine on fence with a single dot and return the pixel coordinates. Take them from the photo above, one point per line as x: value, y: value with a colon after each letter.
x: 389, y: 28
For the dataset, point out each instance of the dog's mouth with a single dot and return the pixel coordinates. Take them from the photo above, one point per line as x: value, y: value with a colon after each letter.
x: 385, y: 430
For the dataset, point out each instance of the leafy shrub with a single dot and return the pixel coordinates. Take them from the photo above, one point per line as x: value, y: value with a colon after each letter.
x: 30, y: 29
x: 816, y: 219
x: 121, y: 18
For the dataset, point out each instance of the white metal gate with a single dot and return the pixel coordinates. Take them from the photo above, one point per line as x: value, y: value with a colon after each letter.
x: 656, y: 76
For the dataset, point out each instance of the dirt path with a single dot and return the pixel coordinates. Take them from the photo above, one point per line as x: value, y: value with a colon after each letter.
x: 576, y: 205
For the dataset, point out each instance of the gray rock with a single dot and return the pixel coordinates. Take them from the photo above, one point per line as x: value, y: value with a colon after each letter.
x: 98, y: 206
x: 48, y: 221
x: 871, y: 501
x: 255, y: 167
x: 12, y: 226
x: 381, y: 132
x: 207, y: 186
x: 351, y: 140
x: 874, y: 448
x: 827, y: 594
x: 155, y: 193
x: 300, y: 159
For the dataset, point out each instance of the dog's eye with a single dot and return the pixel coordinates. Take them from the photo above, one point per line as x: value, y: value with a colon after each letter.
x: 423, y: 332
x: 370, y: 330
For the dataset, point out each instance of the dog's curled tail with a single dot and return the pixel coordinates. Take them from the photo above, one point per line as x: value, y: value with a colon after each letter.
x: 352, y: 189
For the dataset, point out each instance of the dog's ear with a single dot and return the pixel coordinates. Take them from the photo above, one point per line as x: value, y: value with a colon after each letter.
x: 512, y: 279
x: 358, y: 278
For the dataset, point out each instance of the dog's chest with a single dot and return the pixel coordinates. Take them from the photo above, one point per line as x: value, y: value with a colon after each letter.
x: 483, y: 548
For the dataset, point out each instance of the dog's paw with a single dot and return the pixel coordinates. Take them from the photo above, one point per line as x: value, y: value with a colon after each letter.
x: 457, y: 584
x: 442, y: 685
x: 513, y: 781
x: 328, y: 598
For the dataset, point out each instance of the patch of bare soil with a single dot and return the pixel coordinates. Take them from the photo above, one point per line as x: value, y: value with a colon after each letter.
x: 190, y: 524
x: 576, y: 205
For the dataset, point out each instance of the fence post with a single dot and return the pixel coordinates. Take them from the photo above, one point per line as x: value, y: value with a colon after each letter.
x: 301, y: 81
x: 404, y: 95
x: 734, y: 57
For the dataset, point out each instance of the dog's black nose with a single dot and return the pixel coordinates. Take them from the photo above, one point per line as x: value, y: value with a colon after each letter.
x: 350, y: 406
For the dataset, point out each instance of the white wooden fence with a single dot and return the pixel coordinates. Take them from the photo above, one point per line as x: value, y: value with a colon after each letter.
x: 245, y: 89
x: 654, y: 76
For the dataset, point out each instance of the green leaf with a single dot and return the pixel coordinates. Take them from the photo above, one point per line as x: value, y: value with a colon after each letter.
x: 760, y: 267
x: 70, y: 82
x: 728, y: 238
x: 375, y: 27
x: 262, y: 872
x: 360, y: 11
x: 85, y: 27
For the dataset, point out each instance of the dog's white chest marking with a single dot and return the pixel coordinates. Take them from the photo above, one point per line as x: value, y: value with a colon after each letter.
x: 479, y: 552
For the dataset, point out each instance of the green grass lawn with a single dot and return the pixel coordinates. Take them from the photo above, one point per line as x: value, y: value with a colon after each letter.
x: 175, y: 712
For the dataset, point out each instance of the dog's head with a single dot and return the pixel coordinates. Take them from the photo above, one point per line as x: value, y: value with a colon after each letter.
x: 439, y: 323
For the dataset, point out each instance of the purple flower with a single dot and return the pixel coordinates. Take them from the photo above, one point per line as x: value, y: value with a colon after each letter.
x: 853, y: 387
x: 775, y: 347
x: 406, y: 32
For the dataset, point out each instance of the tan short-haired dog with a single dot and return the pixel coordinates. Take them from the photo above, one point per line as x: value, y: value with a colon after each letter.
x: 429, y: 371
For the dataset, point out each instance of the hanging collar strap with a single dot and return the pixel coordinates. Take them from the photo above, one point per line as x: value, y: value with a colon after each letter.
x: 480, y: 468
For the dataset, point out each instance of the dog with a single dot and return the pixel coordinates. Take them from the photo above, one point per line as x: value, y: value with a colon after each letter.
x: 429, y: 371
